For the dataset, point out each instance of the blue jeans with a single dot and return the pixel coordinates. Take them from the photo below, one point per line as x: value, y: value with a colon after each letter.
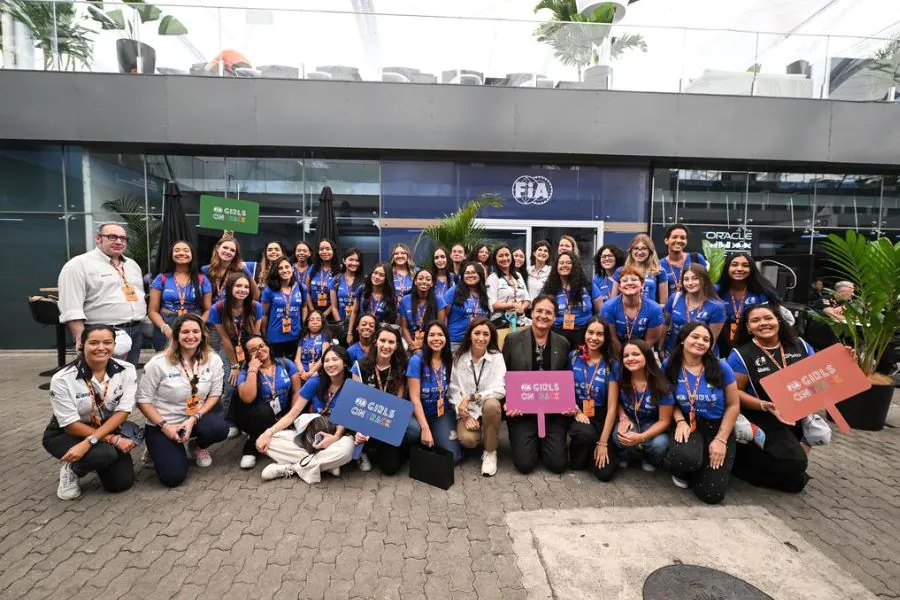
x: 443, y: 430
x: 136, y: 333
x: 654, y: 451
x: 168, y: 456
x: 223, y: 406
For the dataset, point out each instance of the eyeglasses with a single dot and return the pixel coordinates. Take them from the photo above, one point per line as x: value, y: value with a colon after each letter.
x: 607, y: 257
x: 113, y: 237
x: 641, y: 249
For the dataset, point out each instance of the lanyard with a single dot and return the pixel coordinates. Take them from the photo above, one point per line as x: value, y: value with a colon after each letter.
x: 590, y: 382
x: 191, y: 373
x: 630, y: 327
x: 323, y: 279
x: 420, y: 315
x: 638, y: 401
x: 120, y: 269
x: 677, y: 278
x: 692, y: 393
x: 181, y: 291
x: 511, y: 282
x: 692, y: 312
x: 382, y: 386
x: 477, y: 377
x: 439, y: 381
x: 734, y: 305
x: 565, y: 295
x: 99, y: 404
x: 287, y: 302
x: 374, y: 305
x: 475, y: 305
x: 331, y: 397
x: 270, y: 384
x: 782, y: 364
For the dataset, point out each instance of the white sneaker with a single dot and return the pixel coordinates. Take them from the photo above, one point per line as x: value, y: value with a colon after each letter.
x: 743, y: 430
x: 365, y: 465
x: 68, y: 483
x: 489, y: 463
x: 647, y: 467
x: 336, y: 471
x: 248, y: 461
x: 679, y: 482
x: 233, y: 432
x: 202, y: 457
x: 276, y: 471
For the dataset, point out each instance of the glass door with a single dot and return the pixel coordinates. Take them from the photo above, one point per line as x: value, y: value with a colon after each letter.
x: 586, y: 238
x: 588, y: 235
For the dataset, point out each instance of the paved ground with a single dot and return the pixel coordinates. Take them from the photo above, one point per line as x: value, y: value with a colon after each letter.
x: 226, y: 534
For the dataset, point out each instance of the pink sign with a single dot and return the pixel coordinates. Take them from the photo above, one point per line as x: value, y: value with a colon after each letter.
x: 540, y: 393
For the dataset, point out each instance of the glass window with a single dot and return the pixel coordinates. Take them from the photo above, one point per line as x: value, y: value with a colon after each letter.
x: 780, y: 199
x: 418, y: 189
x: 890, y: 202
x: 848, y: 201
x: 116, y: 186
x: 356, y: 185
x: 32, y: 180
x: 711, y: 197
x: 665, y: 187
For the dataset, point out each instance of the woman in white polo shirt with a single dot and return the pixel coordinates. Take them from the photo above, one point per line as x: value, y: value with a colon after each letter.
x: 178, y: 390
x: 91, y: 399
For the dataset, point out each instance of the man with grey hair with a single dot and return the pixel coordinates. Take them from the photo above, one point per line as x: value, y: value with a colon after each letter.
x: 104, y: 287
x: 843, y: 293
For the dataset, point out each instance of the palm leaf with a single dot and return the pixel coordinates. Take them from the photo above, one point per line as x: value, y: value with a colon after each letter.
x: 459, y: 228
x: 715, y: 256
x: 143, y: 231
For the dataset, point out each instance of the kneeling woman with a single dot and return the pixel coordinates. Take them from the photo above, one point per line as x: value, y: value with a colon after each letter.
x: 597, y: 395
x: 178, y: 390
x: 334, y: 448
x: 267, y: 388
x: 428, y: 380
x: 765, y: 344
x: 91, y: 399
x: 477, y: 389
x: 645, y: 406
x: 707, y: 406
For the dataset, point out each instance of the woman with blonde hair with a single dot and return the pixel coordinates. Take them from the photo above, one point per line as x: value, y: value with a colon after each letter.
x: 642, y: 256
x: 225, y: 261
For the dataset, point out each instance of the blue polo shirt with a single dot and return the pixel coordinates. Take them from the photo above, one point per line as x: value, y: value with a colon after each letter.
x: 170, y: 293
x: 284, y: 370
x: 276, y: 302
x: 583, y: 310
x: 356, y: 352
x: 649, y: 316
x: 402, y: 285
x: 310, y: 392
x: 604, y: 286
x: 319, y: 286
x: 249, y: 269
x: 346, y: 294
x: 647, y: 411
x: 673, y: 272
x: 710, y: 401
x: 652, y: 283
x: 311, y: 348
x: 710, y: 312
x: 750, y: 299
x: 592, y: 381
x: 459, y: 317
x: 431, y: 385
x: 414, y: 317
x: 442, y: 285
x: 215, y: 318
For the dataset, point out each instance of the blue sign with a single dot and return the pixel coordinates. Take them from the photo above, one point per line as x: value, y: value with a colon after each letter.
x: 372, y: 412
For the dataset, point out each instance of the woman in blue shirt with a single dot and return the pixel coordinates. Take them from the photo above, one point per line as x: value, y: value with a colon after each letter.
x: 740, y: 287
x: 319, y: 278
x: 180, y: 289
x: 263, y: 267
x: 313, y: 344
x: 302, y: 254
x: 226, y: 261
x: 642, y: 256
x: 696, y: 300
x: 363, y: 337
x: 267, y: 387
x: 428, y: 381
x: 403, y: 270
x: 576, y: 297
x: 608, y: 258
x: 597, y: 395
x: 344, y: 292
x: 645, y: 407
x: 707, y: 405
x: 376, y: 297
x: 466, y: 301
x: 282, y: 304
x: 442, y: 272
x: 419, y: 307
x: 632, y: 315
x: 676, y: 259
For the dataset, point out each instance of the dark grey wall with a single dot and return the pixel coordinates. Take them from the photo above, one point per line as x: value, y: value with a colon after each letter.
x: 183, y: 110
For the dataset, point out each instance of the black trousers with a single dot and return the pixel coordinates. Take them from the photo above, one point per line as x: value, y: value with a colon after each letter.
x: 781, y: 465
x: 284, y: 349
x: 528, y: 449
x: 168, y: 456
x: 115, y: 469
x: 690, y: 461
x: 583, y: 439
x: 389, y: 459
x: 253, y: 419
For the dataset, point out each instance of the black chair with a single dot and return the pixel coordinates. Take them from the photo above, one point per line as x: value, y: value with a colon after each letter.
x: 45, y: 310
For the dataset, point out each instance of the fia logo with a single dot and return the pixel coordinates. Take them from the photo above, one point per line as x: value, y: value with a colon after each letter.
x: 532, y: 191
x: 526, y: 387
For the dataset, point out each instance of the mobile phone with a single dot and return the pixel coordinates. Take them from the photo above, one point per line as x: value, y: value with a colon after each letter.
x: 320, y: 437
x: 181, y: 432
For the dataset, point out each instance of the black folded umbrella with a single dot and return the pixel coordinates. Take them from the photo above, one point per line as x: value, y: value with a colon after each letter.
x: 326, y: 225
x: 174, y: 227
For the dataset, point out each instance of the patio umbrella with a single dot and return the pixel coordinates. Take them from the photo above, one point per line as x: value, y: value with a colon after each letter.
x: 326, y: 225
x: 174, y: 226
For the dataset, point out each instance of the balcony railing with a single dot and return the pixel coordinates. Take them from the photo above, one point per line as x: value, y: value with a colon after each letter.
x: 192, y: 40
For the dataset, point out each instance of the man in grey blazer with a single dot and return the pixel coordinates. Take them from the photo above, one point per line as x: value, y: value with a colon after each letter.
x: 537, y: 348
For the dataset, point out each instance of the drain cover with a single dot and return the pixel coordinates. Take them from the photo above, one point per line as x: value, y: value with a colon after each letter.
x: 689, y: 582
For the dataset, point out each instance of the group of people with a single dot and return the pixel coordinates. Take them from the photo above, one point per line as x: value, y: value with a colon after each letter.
x: 666, y: 365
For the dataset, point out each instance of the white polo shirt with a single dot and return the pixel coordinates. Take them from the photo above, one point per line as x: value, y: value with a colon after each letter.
x: 499, y: 290
x: 90, y: 289
x: 167, y: 387
x: 72, y: 401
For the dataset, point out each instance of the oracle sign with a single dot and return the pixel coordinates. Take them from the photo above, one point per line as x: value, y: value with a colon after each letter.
x: 734, y: 241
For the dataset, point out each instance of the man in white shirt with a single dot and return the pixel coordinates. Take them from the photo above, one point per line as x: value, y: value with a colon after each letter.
x: 104, y: 287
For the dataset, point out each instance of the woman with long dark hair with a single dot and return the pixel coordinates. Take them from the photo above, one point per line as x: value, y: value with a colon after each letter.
x: 466, y: 301
x: 506, y: 290
x: 576, y: 297
x: 272, y: 252
x: 314, y: 341
x: 384, y: 368
x: 178, y: 394
x: 645, y: 407
x: 632, y: 315
x: 765, y: 344
x: 520, y: 264
x: 345, y: 290
x: 481, y: 255
x: 402, y: 269
x: 419, y: 307
x: 677, y: 259
x: 363, y: 337
x: 333, y: 450
x: 283, y: 308
x: 428, y: 380
x: 320, y: 276
x: 706, y: 407
x: 597, y: 394
x: 442, y: 272
x: 477, y: 390
x: 539, y: 270
x: 376, y: 297
x: 607, y: 259
x: 179, y: 290
x: 641, y: 255
x: 91, y: 399
x: 740, y: 287
x: 302, y: 254
x: 695, y: 301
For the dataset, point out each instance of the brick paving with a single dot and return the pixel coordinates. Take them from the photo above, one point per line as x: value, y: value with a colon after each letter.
x: 225, y: 533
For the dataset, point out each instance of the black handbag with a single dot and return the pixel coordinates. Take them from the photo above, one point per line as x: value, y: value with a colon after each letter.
x: 433, y: 466
x: 321, y: 424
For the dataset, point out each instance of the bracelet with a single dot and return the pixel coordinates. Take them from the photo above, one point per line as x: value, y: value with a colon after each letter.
x: 720, y: 440
x: 197, y: 416
x: 603, y: 444
x: 235, y: 367
x: 118, y: 439
x: 252, y: 371
x: 162, y: 424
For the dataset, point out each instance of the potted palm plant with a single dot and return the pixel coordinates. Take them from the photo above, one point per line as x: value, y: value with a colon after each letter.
x: 462, y: 227
x: 58, y: 31
x: 871, y: 319
x: 715, y: 256
x: 135, y: 56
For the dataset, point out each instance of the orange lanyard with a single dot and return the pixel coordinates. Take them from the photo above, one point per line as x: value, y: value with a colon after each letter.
x: 382, y: 387
x: 439, y: 376
x: 691, y: 312
x: 181, y: 291
x: 629, y: 328
x: 98, y: 402
x: 420, y: 315
x: 191, y: 374
x: 692, y: 393
x: 675, y: 277
x: 782, y: 364
x: 734, y: 305
x: 638, y: 401
x: 566, y: 289
x: 287, y: 302
x: 120, y: 269
x: 270, y: 384
x: 590, y: 382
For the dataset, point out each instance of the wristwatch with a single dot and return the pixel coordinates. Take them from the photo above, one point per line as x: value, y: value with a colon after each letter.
x: 93, y: 440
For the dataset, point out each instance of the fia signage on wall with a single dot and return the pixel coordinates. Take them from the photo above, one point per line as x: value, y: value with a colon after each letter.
x: 532, y: 190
